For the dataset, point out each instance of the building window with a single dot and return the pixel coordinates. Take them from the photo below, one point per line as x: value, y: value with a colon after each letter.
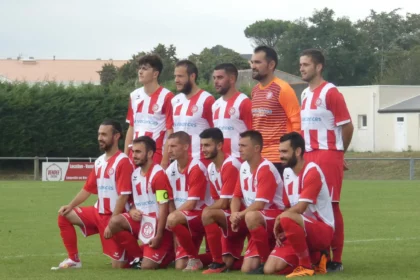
x: 400, y: 119
x: 362, y: 121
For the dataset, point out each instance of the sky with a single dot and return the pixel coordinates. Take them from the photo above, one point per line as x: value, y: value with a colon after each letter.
x: 91, y: 29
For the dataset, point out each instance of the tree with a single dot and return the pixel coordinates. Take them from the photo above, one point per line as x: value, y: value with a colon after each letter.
x: 209, y: 58
x: 267, y: 32
x: 108, y: 74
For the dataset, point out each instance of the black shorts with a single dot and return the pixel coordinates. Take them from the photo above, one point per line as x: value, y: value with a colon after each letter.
x: 280, y: 168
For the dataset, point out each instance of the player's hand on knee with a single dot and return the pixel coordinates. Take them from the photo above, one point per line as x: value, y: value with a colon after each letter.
x: 135, y: 214
x: 107, y: 233
x: 64, y: 210
x: 155, y: 242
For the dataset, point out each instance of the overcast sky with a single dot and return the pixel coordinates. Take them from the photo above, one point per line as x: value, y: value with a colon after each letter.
x: 90, y: 29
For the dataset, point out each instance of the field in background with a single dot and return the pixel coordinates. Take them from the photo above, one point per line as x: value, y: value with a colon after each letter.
x: 381, y: 218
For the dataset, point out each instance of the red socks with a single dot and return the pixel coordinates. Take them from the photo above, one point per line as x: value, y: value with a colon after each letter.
x: 214, y: 236
x: 260, y: 237
x: 68, y: 234
x: 129, y: 242
x: 185, y: 240
x: 337, y: 243
x: 296, y: 235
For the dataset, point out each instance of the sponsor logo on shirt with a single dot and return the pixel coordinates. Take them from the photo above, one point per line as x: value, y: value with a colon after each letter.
x: 225, y: 128
x: 180, y: 199
x: 185, y: 124
x: 105, y: 188
x: 145, y: 121
x: 261, y: 112
x: 145, y: 203
x: 311, y: 119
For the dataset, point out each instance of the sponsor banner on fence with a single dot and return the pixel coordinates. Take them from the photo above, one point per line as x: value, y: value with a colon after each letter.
x: 66, y: 171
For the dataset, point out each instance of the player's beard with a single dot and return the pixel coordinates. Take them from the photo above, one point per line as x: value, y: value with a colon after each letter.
x: 257, y: 76
x: 106, y: 146
x: 140, y: 162
x: 212, y: 154
x: 186, y: 89
x: 291, y: 162
x: 223, y: 90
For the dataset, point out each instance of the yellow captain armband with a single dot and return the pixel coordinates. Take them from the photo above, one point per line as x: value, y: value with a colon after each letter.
x: 162, y: 196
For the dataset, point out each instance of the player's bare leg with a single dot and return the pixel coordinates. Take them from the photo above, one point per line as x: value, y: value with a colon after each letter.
x: 118, y: 223
x: 250, y: 264
x: 255, y: 223
x: 149, y: 264
x: 177, y: 222
x: 66, y: 224
x: 274, y: 265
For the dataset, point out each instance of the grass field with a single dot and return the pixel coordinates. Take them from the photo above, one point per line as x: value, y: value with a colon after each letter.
x: 382, y: 220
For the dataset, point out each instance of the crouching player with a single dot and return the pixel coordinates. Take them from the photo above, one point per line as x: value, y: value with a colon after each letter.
x: 305, y: 229
x: 147, y: 217
x: 260, y: 188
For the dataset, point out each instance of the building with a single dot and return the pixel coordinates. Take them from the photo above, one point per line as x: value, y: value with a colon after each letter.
x: 386, y: 118
x: 62, y: 71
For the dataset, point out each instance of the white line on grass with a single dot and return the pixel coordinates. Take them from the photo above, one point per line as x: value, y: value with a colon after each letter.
x: 203, y: 247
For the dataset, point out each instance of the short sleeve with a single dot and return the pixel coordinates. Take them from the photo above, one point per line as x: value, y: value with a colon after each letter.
x: 245, y: 112
x: 312, y: 185
x: 207, y: 111
x: 129, y: 118
x: 267, y: 185
x: 197, y: 184
x: 168, y: 111
x: 238, y: 190
x: 90, y: 184
x: 213, y: 192
x: 230, y: 175
x: 123, y: 176
x: 337, y: 105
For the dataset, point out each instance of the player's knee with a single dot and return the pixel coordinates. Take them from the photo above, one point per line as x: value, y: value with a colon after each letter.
x: 206, y: 216
x: 181, y: 263
x: 172, y: 220
x: 115, y: 223
x: 285, y: 214
x: 149, y: 265
x: 62, y: 221
x: 254, y: 219
x: 118, y: 264
x: 269, y: 269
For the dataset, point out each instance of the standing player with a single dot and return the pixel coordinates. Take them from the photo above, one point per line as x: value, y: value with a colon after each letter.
x: 191, y: 107
x: 327, y: 129
x: 275, y: 107
x: 307, y: 226
x: 150, y: 109
x: 188, y: 179
x: 232, y: 111
x: 151, y: 197
x: 110, y: 180
x: 223, y: 174
x: 260, y: 188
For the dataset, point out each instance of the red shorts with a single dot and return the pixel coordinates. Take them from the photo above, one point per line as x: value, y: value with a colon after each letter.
x: 157, y: 157
x: 159, y: 255
x: 332, y: 165
x: 94, y: 223
x: 197, y: 231
x: 318, y: 237
x: 233, y: 242
x: 270, y: 216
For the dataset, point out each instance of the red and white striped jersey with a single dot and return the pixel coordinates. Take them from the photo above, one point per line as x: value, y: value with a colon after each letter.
x: 193, y: 116
x: 192, y: 184
x: 232, y: 117
x: 145, y: 187
x: 223, y: 181
x: 264, y: 184
x: 110, y: 179
x: 323, y: 112
x: 151, y: 115
x: 309, y: 186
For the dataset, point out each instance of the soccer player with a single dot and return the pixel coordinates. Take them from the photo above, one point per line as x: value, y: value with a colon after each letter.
x: 275, y: 107
x: 110, y: 180
x: 191, y: 107
x: 232, y: 111
x: 150, y: 109
x: 188, y: 179
x: 147, y: 217
x: 260, y: 188
x: 307, y: 226
x: 327, y: 129
x: 223, y: 174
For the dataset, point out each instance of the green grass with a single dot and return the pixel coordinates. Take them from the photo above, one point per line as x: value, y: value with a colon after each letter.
x: 381, y: 219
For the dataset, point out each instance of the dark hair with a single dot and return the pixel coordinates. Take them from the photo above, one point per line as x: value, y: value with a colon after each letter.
x: 116, y: 127
x: 256, y: 137
x: 213, y: 133
x: 296, y: 141
x: 270, y: 54
x: 316, y: 55
x: 182, y: 136
x: 191, y: 67
x: 153, y: 60
x: 229, y: 68
x: 147, y: 141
